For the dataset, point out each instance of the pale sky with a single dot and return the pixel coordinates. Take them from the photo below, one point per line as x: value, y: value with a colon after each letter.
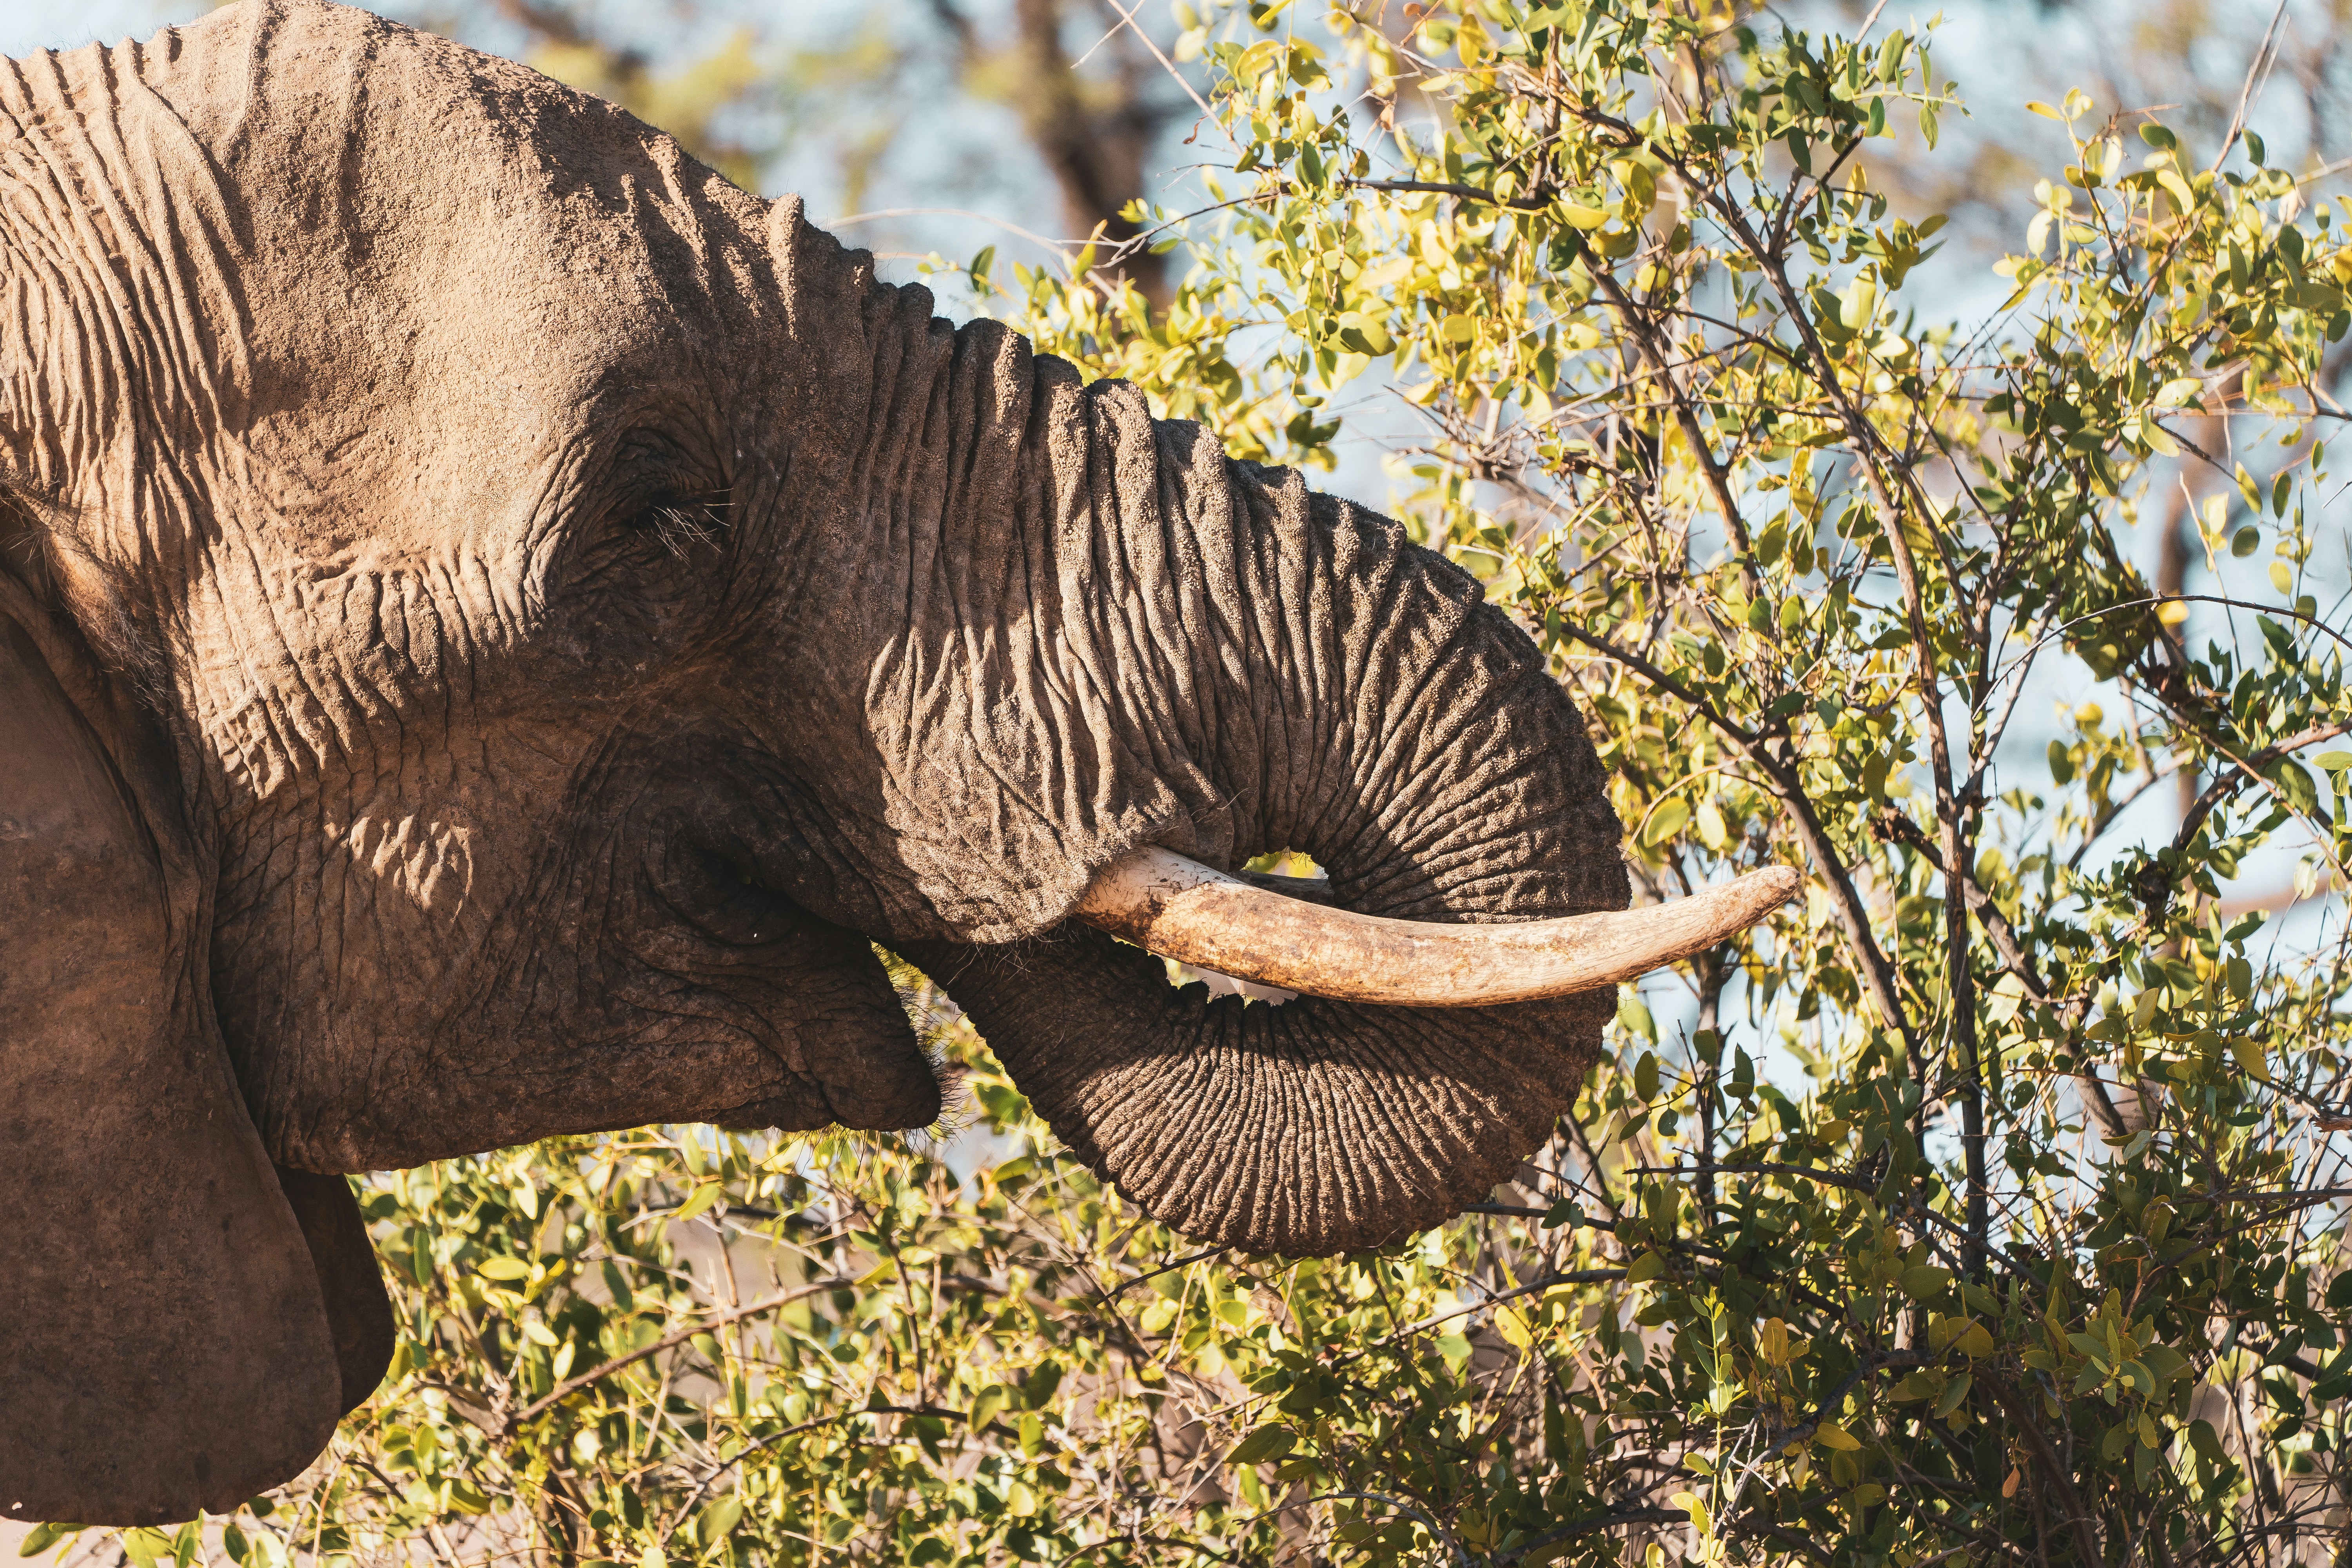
x: 28, y: 24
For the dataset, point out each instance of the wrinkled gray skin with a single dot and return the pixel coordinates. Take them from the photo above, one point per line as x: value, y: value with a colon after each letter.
x: 498, y: 618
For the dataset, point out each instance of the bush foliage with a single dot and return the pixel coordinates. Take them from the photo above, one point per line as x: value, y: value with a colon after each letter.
x: 1981, y: 1206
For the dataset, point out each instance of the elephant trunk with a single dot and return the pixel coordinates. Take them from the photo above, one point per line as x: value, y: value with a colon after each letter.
x: 1057, y: 632
x: 1410, y: 739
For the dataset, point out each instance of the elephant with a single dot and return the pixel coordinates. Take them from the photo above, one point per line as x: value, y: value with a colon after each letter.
x: 500, y: 623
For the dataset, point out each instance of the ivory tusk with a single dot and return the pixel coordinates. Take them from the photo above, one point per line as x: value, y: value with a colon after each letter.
x: 1182, y: 909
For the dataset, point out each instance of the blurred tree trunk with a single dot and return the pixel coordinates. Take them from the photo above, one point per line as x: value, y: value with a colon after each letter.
x: 1094, y: 133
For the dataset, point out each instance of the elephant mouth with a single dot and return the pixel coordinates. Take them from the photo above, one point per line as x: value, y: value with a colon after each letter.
x: 1259, y: 929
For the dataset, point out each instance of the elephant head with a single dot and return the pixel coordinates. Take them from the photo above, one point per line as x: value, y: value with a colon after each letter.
x: 500, y: 622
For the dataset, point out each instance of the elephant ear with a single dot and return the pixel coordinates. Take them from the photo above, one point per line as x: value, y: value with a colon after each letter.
x: 165, y: 1342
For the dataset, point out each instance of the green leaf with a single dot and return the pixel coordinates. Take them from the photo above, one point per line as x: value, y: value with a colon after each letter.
x: 1266, y: 1443
x: 2249, y: 1058
x: 1635, y: 1018
x: 44, y: 1536
x: 503, y: 1268
x: 1925, y: 1280
x: 2334, y: 761
x: 705, y: 1195
x: 1364, y: 335
x: 1645, y: 1076
x: 1666, y: 821
x: 1830, y: 1435
x: 712, y: 1525
x: 1038, y: 1387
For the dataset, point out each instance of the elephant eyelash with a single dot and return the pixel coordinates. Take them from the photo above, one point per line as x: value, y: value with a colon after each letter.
x: 679, y: 526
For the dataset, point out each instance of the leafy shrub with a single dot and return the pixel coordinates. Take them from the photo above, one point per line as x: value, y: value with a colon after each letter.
x: 1982, y: 1207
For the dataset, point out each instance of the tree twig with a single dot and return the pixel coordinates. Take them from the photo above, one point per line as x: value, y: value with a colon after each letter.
x: 572, y: 1385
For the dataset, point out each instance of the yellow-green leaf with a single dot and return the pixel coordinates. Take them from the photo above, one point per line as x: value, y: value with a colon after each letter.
x: 704, y: 1196
x: 1925, y: 1280
x: 717, y: 1519
x: 1666, y: 821
x: 1266, y: 1443
x: 1633, y: 1016
x: 2249, y: 1055
x: 43, y: 1537
x: 989, y: 1401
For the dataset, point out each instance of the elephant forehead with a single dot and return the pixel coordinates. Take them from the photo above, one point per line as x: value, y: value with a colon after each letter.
x: 368, y: 273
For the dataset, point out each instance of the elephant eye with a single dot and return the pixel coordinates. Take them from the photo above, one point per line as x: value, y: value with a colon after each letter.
x: 679, y: 524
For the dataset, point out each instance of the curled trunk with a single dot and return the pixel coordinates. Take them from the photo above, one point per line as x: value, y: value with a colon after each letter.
x: 1409, y: 737
x: 1056, y: 631
x: 1309, y: 1128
